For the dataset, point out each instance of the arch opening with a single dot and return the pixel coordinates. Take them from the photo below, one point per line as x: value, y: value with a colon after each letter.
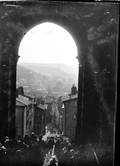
x: 58, y: 41
x: 50, y: 44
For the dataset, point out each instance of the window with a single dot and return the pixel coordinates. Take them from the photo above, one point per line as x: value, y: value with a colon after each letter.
x: 75, y: 104
x: 73, y: 130
x: 75, y: 116
x: 27, y: 112
x: 30, y: 123
x: 27, y: 122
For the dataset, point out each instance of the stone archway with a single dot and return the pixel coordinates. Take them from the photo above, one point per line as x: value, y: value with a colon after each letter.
x: 81, y: 20
x: 17, y: 26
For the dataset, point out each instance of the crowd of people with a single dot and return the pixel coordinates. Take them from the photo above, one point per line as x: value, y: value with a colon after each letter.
x: 33, y: 150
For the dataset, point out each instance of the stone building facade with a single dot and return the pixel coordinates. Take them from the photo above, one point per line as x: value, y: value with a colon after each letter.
x: 70, y: 116
x: 39, y: 119
x: 24, y: 116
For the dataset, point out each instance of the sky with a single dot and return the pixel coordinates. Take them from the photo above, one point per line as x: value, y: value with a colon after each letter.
x: 48, y: 43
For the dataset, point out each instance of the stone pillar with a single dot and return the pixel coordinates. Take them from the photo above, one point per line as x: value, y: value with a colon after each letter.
x: 12, y: 96
x: 7, y: 96
x: 79, y: 125
x: 3, y: 99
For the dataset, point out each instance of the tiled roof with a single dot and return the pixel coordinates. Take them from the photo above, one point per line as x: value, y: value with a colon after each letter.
x: 42, y: 106
x: 69, y: 97
x: 29, y: 96
x: 22, y: 101
x: 48, y: 99
x: 20, y: 104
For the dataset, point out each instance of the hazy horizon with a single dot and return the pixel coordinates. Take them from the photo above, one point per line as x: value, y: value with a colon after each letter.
x: 47, y: 63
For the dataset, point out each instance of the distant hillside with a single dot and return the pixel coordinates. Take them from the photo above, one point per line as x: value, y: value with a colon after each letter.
x: 51, y: 78
x: 60, y: 70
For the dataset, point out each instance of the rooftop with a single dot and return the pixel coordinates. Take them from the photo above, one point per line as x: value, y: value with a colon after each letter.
x: 29, y: 96
x: 42, y: 106
x: 22, y: 102
x: 69, y: 97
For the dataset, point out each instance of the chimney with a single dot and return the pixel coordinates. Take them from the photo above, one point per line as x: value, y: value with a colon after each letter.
x: 20, y: 90
x: 73, y: 90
